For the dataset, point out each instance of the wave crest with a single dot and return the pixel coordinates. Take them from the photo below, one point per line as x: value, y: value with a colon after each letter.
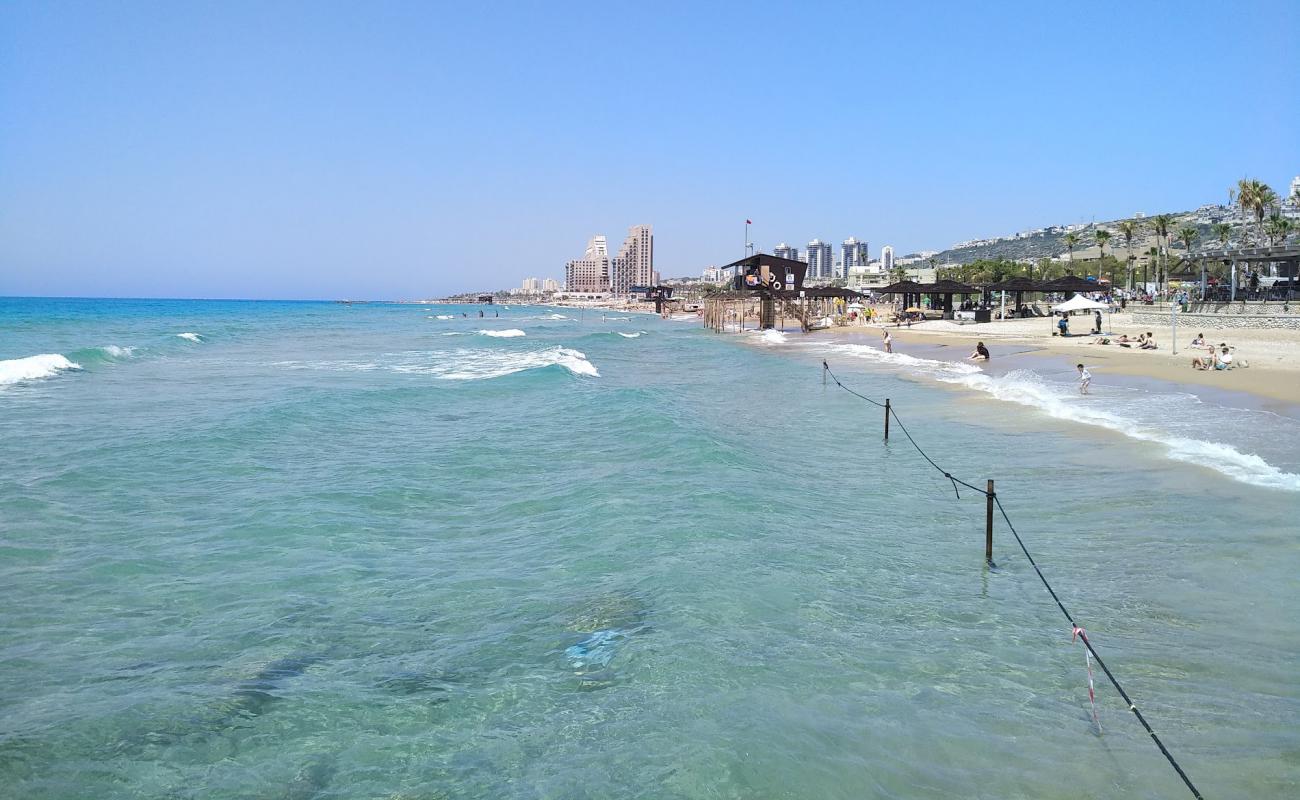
x: 31, y: 368
x: 190, y: 336
x: 509, y: 333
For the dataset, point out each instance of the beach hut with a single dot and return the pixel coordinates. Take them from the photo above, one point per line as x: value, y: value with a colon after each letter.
x: 774, y: 279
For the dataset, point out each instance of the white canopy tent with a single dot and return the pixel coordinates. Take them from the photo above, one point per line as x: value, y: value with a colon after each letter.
x: 1079, y: 303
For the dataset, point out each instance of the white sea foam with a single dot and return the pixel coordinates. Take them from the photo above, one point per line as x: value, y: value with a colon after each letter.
x: 444, y: 316
x: 510, y: 333
x: 191, y: 337
x: 480, y: 364
x: 1062, y: 401
x: 462, y: 364
x: 926, y: 366
x: 771, y: 336
x: 1145, y: 417
x: 629, y: 335
x: 33, y: 368
x: 553, y: 316
x: 114, y: 351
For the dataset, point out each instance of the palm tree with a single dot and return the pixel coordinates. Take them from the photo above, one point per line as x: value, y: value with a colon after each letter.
x: 1071, y: 239
x: 1160, y: 224
x: 1126, y: 229
x: 1256, y: 197
x: 1102, y: 236
x: 1223, y: 232
x: 1278, y: 228
x: 1188, y: 234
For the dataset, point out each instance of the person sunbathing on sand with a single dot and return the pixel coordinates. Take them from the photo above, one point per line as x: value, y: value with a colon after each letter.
x: 1224, y: 360
x: 1150, y: 343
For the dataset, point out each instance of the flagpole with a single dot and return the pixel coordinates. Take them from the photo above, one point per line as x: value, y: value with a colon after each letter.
x: 745, y: 254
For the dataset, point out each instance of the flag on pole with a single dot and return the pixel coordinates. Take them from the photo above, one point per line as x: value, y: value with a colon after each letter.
x: 749, y: 222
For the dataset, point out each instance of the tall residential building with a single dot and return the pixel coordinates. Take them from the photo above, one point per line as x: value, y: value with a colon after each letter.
x: 784, y: 250
x: 531, y: 286
x: 821, y: 256
x: 591, y: 272
x: 886, y: 258
x: 852, y: 254
x: 635, y: 263
x: 550, y: 285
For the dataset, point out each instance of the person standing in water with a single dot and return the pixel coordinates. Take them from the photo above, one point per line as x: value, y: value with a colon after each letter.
x: 1085, y: 378
x: 889, y: 343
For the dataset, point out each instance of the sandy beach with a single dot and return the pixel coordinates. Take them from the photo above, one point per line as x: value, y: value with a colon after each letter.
x: 1273, y: 355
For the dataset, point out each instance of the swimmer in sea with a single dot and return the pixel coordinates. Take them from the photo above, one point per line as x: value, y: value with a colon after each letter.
x: 981, y: 353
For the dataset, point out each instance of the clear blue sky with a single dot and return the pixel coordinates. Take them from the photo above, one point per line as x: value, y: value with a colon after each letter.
x: 318, y: 150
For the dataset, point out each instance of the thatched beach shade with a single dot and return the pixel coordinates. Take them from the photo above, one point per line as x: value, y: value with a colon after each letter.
x: 946, y: 289
x: 910, y: 290
x: 1073, y: 283
x: 1019, y: 285
x: 902, y: 287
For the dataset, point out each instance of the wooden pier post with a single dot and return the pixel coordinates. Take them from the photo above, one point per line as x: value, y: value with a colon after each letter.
x: 988, y: 524
x: 886, y: 419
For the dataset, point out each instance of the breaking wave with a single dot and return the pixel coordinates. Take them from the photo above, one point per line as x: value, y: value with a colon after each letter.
x: 771, y: 336
x: 510, y: 333
x: 191, y: 337
x: 462, y: 364
x: 629, y: 335
x: 32, y: 368
x: 1062, y: 401
x: 444, y: 316
x: 1143, y: 417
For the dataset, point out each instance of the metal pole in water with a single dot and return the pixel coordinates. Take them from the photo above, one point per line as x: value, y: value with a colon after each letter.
x: 886, y: 419
x: 988, y: 524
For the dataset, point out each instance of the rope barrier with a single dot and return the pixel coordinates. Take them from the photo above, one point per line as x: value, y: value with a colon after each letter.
x: 1075, y: 629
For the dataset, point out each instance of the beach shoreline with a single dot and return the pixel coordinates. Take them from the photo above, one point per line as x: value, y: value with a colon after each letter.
x: 1273, y: 376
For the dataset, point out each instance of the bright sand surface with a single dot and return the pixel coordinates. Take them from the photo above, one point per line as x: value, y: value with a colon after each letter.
x: 1273, y: 355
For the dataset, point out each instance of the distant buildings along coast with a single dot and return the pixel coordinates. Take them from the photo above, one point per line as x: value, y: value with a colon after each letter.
x: 595, y: 273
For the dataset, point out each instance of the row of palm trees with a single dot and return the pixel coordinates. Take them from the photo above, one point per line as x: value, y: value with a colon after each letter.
x: 1256, y: 200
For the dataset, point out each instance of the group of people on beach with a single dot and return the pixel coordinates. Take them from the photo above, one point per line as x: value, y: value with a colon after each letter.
x: 1144, y: 341
x: 1218, y: 357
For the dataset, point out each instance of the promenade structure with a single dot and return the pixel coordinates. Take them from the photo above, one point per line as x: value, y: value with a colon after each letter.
x: 591, y: 272
x: 635, y: 263
x: 820, y: 259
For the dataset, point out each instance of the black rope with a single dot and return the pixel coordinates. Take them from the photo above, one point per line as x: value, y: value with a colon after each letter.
x: 1073, y: 625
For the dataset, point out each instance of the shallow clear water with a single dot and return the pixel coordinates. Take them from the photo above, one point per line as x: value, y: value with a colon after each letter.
x: 332, y: 551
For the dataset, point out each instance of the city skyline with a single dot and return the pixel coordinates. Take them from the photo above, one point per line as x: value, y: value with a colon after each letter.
x: 305, y: 151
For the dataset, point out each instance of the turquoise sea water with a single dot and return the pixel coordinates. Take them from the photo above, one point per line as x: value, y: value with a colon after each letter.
x: 329, y: 551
